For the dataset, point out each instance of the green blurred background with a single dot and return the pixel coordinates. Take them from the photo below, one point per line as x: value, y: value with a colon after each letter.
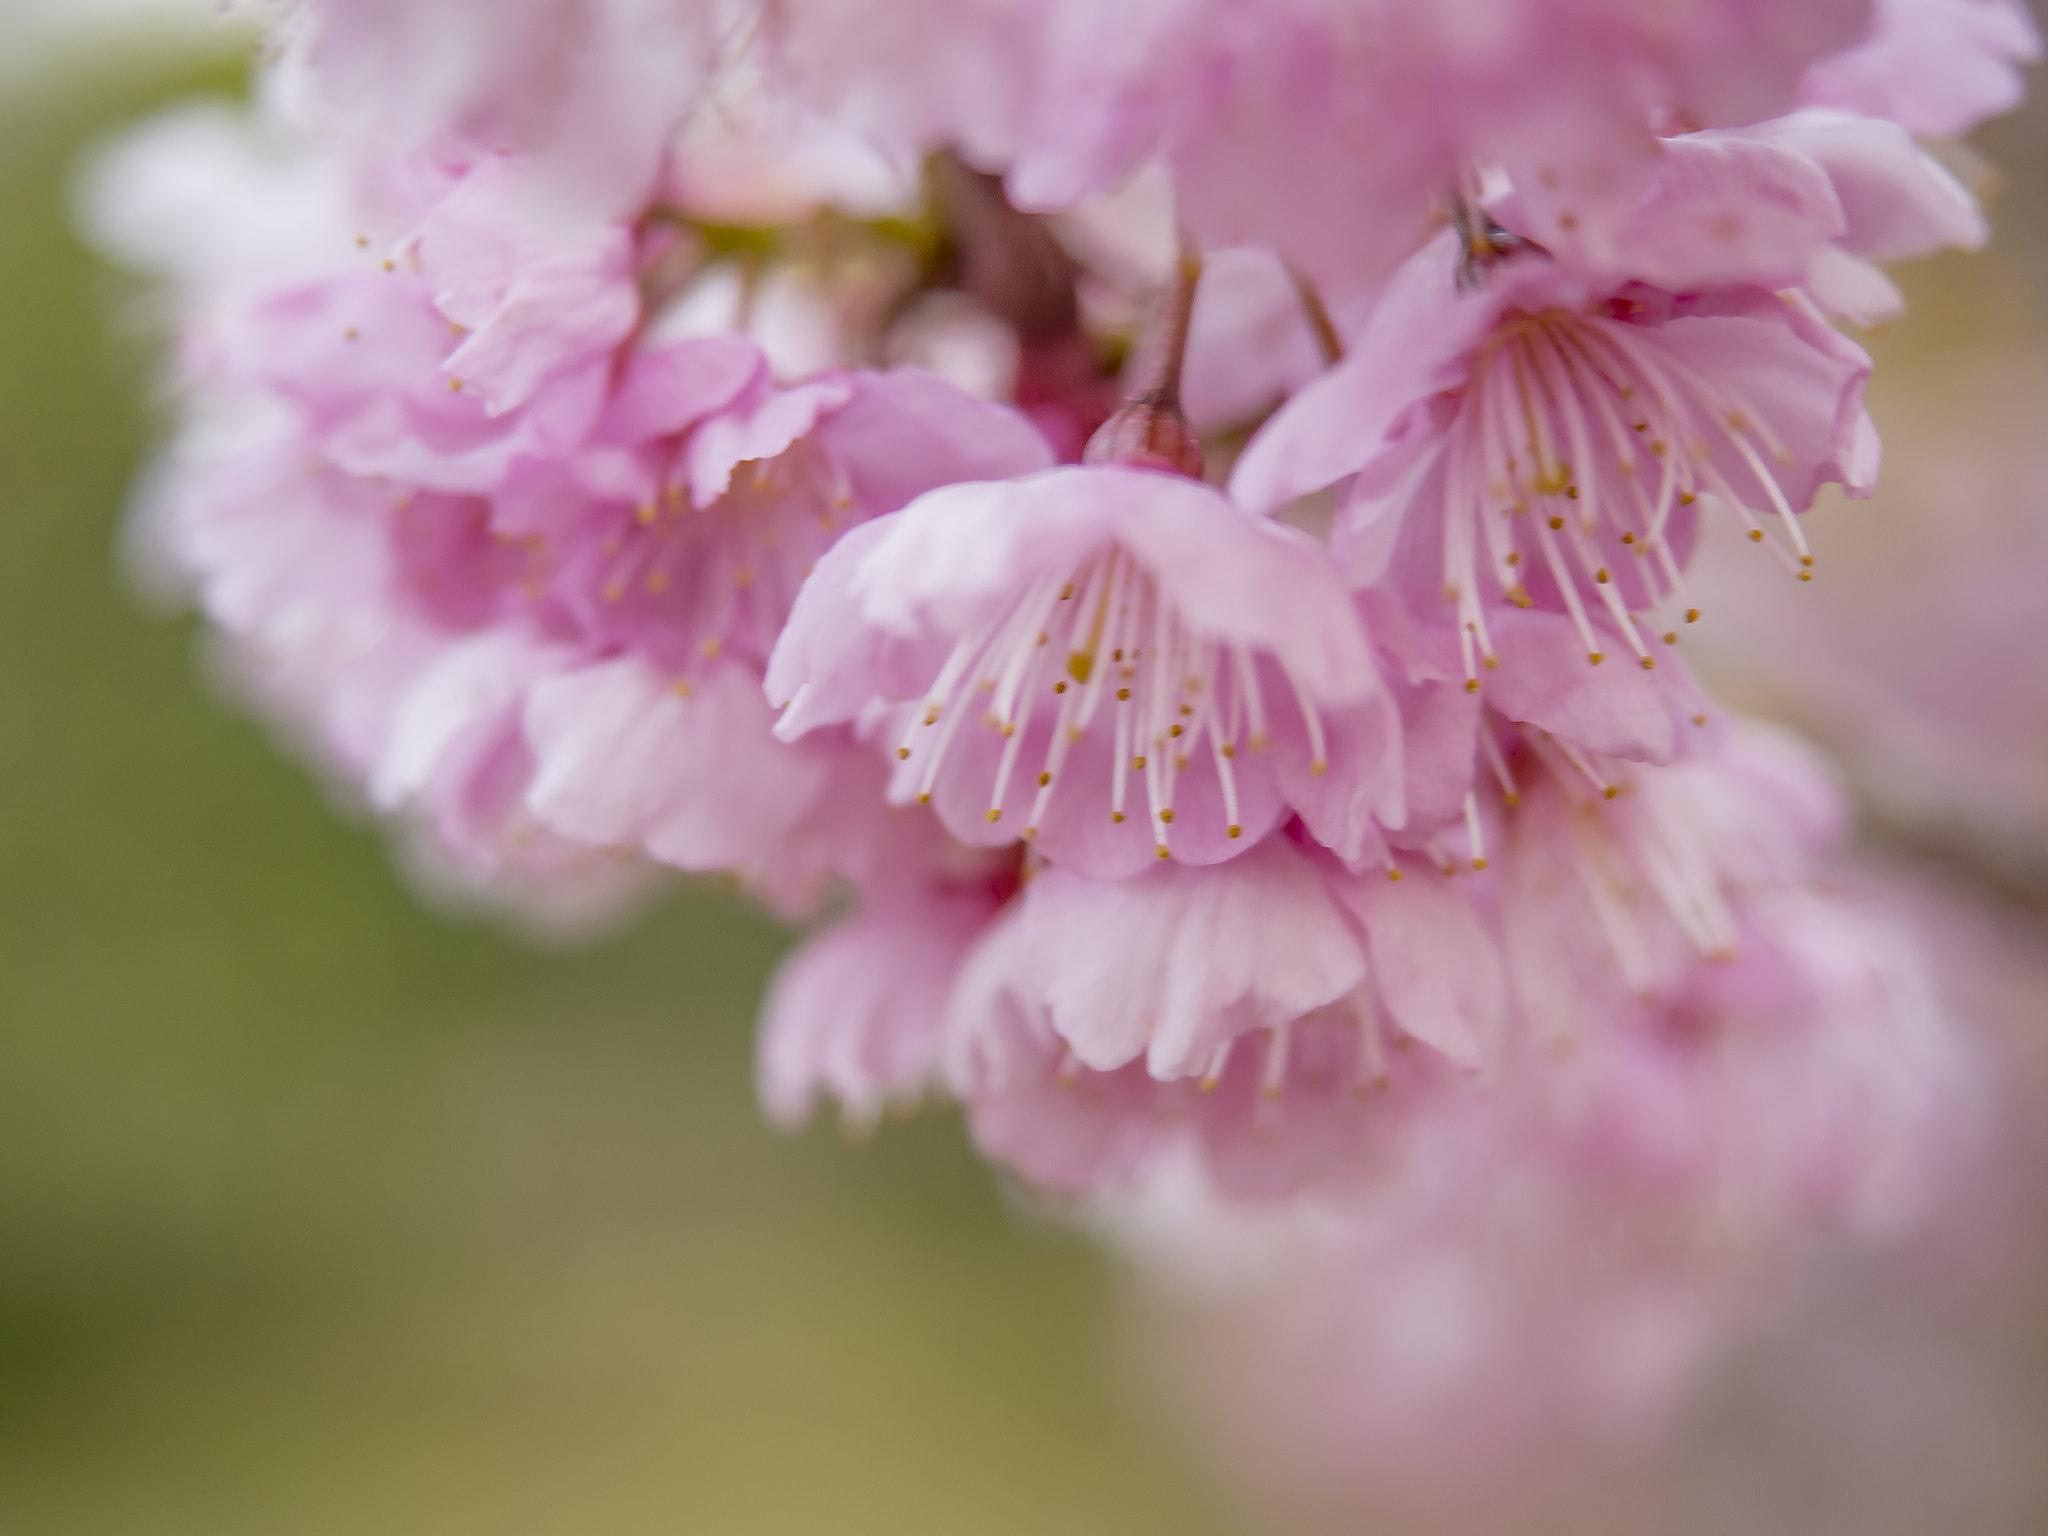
x: 321, y: 1214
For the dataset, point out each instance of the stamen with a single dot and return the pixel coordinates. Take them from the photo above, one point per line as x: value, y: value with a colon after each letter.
x: 1213, y: 1073
x: 1498, y: 763
x: 1108, y: 630
x: 1275, y: 1078
x: 1370, y: 1072
x: 1070, y: 1068
x: 1472, y: 831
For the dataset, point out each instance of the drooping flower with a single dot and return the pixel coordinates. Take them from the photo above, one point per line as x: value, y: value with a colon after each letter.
x: 1549, y: 1270
x: 857, y: 1012
x: 1113, y: 663
x: 1548, y: 439
x: 1708, y: 1064
x: 1255, y: 1007
x: 588, y: 556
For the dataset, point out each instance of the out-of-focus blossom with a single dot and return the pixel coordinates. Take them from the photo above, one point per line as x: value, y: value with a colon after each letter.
x: 590, y: 553
x: 858, y: 1012
x: 1264, y: 112
x: 1937, y: 67
x: 584, y: 97
x: 1900, y: 655
x: 1544, y: 1270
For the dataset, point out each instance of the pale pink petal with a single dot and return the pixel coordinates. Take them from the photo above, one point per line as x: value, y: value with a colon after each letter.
x: 1936, y: 67
x: 857, y: 1012
x: 1433, y: 962
x: 1171, y: 964
x: 623, y: 758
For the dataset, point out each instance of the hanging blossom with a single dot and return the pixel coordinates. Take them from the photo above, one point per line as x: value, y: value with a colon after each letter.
x: 1528, y: 428
x: 533, y: 610
x: 1299, y: 1026
x: 1113, y: 664
x: 1111, y: 661
x: 1709, y: 1063
x: 1261, y: 1005
x: 1553, y: 1267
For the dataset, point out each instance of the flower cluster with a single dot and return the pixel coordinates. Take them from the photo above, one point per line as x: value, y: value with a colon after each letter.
x: 1174, y: 519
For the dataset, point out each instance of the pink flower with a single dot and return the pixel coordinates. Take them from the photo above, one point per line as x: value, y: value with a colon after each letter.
x: 1260, y: 110
x: 1618, y: 880
x: 1256, y: 1005
x: 1115, y: 664
x: 1792, y: 201
x: 1549, y: 1267
x: 1936, y: 67
x: 588, y: 95
x: 1546, y: 440
x: 858, y: 1010
x: 534, y: 616
x: 1897, y: 203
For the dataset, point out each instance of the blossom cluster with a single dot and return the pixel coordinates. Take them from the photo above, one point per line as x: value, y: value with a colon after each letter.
x: 1170, y: 523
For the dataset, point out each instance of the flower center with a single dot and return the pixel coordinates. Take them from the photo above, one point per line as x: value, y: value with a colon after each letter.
x: 1104, y: 639
x: 1580, y: 439
x: 696, y: 582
